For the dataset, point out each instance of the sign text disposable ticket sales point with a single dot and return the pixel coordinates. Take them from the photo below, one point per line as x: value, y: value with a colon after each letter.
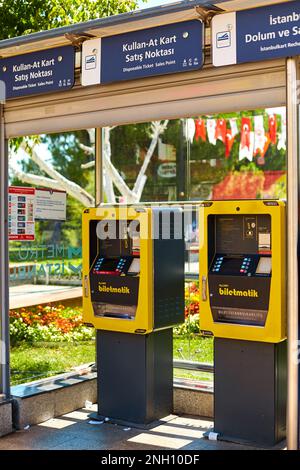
x: 257, y: 34
x: 38, y: 72
x: 161, y: 50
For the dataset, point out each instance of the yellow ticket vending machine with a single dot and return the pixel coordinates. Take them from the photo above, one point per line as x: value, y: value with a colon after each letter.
x: 243, y: 305
x: 133, y: 294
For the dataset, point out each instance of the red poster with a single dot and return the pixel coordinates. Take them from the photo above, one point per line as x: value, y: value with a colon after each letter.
x: 21, y: 207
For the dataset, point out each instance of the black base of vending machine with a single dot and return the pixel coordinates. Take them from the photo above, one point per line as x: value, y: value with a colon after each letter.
x: 135, y: 377
x: 250, y: 391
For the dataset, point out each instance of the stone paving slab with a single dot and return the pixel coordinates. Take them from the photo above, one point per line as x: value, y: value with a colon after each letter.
x: 5, y: 417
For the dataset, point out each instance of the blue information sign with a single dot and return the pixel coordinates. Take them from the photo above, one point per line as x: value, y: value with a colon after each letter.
x: 269, y: 32
x: 154, y: 51
x: 258, y: 34
x: 38, y: 72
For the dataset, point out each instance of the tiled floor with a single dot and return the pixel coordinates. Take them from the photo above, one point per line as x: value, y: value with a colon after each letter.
x: 73, y: 431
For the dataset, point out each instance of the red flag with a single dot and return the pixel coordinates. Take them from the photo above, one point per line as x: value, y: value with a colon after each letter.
x: 200, y: 130
x: 245, y: 133
x: 221, y: 130
x: 273, y: 128
x: 229, y: 142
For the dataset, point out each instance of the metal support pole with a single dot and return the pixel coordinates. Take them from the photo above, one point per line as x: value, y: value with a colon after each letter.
x: 98, y: 189
x: 98, y: 168
x: 292, y: 251
x: 4, y: 277
x: 181, y: 164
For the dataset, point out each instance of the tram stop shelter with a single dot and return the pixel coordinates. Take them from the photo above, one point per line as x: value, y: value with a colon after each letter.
x: 133, y: 96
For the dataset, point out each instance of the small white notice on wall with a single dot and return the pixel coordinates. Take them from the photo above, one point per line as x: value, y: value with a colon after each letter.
x: 50, y: 204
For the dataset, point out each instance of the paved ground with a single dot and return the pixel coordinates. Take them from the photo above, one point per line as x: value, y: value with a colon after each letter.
x: 73, y: 431
x: 27, y: 295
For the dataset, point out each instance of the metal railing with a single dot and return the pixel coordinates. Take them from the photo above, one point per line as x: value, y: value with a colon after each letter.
x: 194, y: 366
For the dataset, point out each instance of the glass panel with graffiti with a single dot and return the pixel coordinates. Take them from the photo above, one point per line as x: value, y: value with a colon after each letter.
x: 237, y: 155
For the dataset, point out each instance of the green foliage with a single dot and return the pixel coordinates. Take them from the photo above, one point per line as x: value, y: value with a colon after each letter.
x: 125, y: 140
x: 189, y: 328
x: 67, y: 157
x: 19, y: 17
x: 280, y: 189
x: 274, y: 159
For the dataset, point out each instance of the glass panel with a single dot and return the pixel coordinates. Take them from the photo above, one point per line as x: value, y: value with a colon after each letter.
x: 238, y: 156
x: 47, y: 333
x: 225, y: 156
x: 147, y: 157
x: 191, y: 235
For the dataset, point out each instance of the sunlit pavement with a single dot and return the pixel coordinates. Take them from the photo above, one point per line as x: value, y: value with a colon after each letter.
x: 73, y: 431
x: 27, y: 295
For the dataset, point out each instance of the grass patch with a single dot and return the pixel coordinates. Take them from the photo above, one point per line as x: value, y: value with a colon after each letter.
x: 39, y: 360
x: 32, y: 362
x: 196, y: 349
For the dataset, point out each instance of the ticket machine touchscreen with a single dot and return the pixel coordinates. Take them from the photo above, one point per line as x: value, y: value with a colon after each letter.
x: 114, y: 273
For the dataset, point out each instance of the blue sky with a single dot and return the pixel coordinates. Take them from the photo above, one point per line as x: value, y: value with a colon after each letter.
x: 154, y: 3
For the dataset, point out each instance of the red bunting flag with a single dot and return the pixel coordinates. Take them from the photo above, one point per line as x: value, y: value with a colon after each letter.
x: 233, y: 126
x: 200, y: 130
x: 229, y: 142
x: 211, y: 130
x: 246, y: 133
x: 221, y: 130
x: 267, y: 144
x: 273, y: 129
x: 259, y: 135
x: 252, y: 143
x: 261, y: 157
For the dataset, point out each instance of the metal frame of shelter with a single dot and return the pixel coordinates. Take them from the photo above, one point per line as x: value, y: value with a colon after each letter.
x: 206, y: 91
